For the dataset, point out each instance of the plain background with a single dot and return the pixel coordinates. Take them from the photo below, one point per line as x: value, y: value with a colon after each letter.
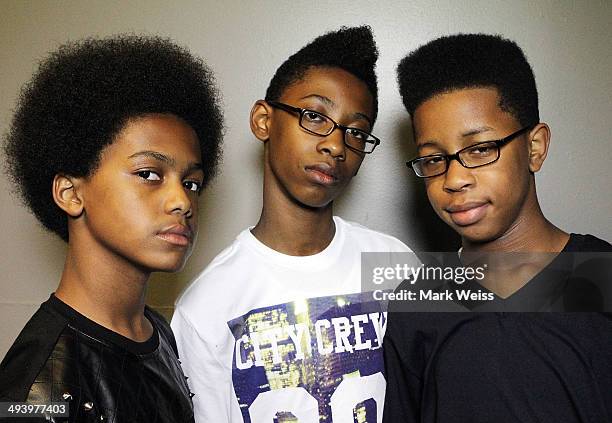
x: 566, y: 42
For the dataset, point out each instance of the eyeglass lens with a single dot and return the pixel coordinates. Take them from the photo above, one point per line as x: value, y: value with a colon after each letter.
x: 322, y: 125
x: 474, y: 156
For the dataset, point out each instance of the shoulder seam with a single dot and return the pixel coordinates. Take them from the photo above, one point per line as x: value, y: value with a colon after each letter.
x: 192, y: 327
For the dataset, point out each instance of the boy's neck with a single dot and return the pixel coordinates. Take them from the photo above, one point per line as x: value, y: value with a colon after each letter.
x: 108, y: 291
x: 530, y: 232
x: 292, y: 228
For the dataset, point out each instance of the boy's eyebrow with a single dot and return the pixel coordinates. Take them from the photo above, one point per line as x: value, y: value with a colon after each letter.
x: 155, y: 155
x: 358, y: 115
x: 163, y: 158
x: 427, y: 144
x: 195, y: 166
x: 329, y: 102
x: 477, y: 131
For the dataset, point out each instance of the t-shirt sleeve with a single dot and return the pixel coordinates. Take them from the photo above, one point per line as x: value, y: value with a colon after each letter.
x: 207, y: 377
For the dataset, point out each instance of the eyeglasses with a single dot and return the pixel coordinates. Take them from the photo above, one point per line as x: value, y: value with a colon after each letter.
x: 476, y: 155
x: 319, y: 124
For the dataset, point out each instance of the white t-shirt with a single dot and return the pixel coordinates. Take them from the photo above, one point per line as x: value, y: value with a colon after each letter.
x: 262, y: 334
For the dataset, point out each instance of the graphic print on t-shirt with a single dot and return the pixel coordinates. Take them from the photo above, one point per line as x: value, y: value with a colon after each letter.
x: 316, y: 360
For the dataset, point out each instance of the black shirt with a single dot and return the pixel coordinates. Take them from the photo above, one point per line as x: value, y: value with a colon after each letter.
x: 62, y: 356
x: 482, y: 367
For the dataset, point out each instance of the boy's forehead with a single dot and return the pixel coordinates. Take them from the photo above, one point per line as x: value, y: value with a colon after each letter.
x: 164, y: 134
x: 461, y: 113
x: 315, y: 76
x: 331, y: 86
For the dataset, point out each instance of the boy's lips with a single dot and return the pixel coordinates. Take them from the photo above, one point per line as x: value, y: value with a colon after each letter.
x: 465, y: 214
x: 177, y: 235
x: 322, y: 173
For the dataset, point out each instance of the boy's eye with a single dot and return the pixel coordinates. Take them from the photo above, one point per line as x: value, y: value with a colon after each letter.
x: 313, y: 117
x: 482, y: 150
x: 193, y: 186
x: 149, y: 175
x: 433, y: 160
x: 357, y: 134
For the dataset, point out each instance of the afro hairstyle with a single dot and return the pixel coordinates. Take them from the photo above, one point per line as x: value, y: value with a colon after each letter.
x: 81, y: 97
x: 352, y: 49
x: 468, y: 61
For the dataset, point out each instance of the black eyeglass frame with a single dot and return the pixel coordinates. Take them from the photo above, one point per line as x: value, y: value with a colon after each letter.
x: 448, y: 157
x: 302, y: 111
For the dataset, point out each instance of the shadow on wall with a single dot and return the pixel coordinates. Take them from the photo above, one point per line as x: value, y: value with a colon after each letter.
x: 428, y: 231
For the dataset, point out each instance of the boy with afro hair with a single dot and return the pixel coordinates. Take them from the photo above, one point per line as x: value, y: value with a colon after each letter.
x: 111, y: 144
x: 474, y: 108
x: 288, y: 335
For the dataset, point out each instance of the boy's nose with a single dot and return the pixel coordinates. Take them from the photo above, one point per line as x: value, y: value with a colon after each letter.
x: 333, y: 144
x: 178, y: 200
x: 457, y: 177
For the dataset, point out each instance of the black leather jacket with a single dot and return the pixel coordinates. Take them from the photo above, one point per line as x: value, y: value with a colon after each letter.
x: 61, y: 356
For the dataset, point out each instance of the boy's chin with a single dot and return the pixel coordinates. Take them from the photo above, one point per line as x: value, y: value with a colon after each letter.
x: 173, y: 269
x: 171, y: 266
x: 476, y: 235
x: 314, y: 202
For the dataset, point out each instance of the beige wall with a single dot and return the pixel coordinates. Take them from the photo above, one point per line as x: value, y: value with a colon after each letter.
x: 567, y: 43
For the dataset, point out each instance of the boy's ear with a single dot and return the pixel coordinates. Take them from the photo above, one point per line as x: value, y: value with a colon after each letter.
x: 260, y: 120
x: 539, y: 139
x: 66, y: 194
